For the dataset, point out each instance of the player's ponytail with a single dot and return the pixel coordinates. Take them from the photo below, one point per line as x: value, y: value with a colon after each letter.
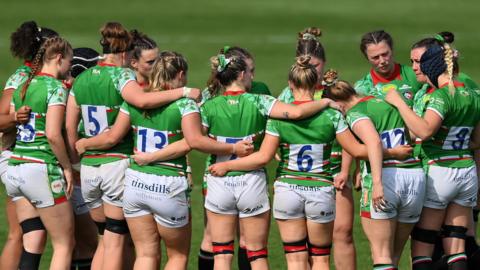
x: 309, y: 44
x: 27, y: 40
x: 225, y: 69
x: 115, y: 38
x: 302, y: 74
x: 450, y: 67
x: 336, y: 89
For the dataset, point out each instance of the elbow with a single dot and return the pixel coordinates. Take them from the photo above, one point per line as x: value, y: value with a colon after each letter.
x: 424, y: 135
x: 52, y: 137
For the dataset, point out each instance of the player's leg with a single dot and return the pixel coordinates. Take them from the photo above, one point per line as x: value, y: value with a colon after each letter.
x: 344, y: 248
x: 147, y: 241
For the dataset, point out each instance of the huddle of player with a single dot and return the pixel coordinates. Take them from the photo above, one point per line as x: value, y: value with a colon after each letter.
x: 97, y: 145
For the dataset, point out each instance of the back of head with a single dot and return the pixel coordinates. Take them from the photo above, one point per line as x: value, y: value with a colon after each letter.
x: 27, y: 39
x: 236, y: 51
x: 165, y: 69
x: 141, y: 42
x: 375, y: 37
x: 225, y: 70
x: 336, y: 89
x: 83, y: 59
x: 308, y: 43
x: 302, y: 74
x: 115, y: 38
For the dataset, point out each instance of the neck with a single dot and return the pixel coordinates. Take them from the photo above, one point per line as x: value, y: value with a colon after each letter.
x: 302, y: 94
x: 443, y: 79
x: 140, y: 78
x: 235, y: 87
x: 49, y: 69
x: 351, y: 102
x: 113, y: 59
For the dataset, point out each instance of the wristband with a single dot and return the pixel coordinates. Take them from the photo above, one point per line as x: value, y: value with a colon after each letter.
x: 186, y: 91
x: 76, y: 166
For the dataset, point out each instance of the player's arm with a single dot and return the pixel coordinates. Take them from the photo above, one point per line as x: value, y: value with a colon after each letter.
x: 192, y: 131
x: 282, y: 110
x: 107, y: 139
x: 72, y: 119
x: 134, y: 94
x: 8, y: 117
x: 171, y: 151
x: 252, y: 162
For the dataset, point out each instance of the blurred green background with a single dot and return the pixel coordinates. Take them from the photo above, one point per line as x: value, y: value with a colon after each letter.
x: 267, y: 28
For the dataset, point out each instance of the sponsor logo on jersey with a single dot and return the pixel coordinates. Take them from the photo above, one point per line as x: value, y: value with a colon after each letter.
x: 326, y: 214
x: 158, y: 188
x: 233, y: 102
x: 178, y: 218
x: 96, y: 72
x: 405, y: 87
x: 388, y: 87
x: 252, y: 210
x: 57, y: 186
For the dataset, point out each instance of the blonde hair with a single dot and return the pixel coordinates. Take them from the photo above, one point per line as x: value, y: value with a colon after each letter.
x: 337, y: 89
x: 302, y: 74
x: 49, y: 49
x: 449, y: 60
x: 165, y: 69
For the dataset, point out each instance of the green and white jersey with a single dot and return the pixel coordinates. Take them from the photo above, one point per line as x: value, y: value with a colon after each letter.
x: 305, y: 147
x: 449, y: 146
x: 389, y: 125
x: 155, y: 129
x: 257, y: 88
x: 31, y: 142
x: 98, y: 94
x: 236, y: 116
x: 403, y: 80
x: 18, y: 77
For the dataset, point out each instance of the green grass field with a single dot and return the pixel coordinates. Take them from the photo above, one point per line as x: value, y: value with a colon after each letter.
x: 268, y: 29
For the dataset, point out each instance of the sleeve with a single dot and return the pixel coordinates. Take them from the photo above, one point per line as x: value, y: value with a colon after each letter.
x: 271, y: 128
x: 339, y: 122
x: 125, y: 108
x: 15, y: 80
x: 286, y: 95
x: 187, y: 106
x: 204, y: 116
x: 354, y: 116
x: 57, y: 96
x: 438, y: 104
x: 205, y: 96
x: 363, y: 86
x: 265, y: 104
x: 125, y: 76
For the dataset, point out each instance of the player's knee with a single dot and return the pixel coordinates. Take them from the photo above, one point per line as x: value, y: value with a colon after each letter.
x: 424, y: 235
x: 116, y: 226
x: 343, y: 234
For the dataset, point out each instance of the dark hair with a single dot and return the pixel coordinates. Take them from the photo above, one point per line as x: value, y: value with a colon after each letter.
x: 236, y: 51
x: 375, y: 37
x: 337, y: 89
x: 27, y: 39
x: 308, y: 43
x: 115, y: 38
x: 302, y: 74
x: 222, y: 77
x: 443, y: 37
x: 47, y: 51
x: 83, y: 59
x: 141, y: 42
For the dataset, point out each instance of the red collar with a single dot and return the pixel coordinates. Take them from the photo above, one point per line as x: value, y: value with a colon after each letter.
x: 319, y: 87
x: 298, y: 102
x: 45, y: 74
x: 365, y: 98
x: 233, y: 93
x: 28, y: 64
x: 103, y: 64
x: 143, y: 85
x: 377, y: 78
x: 455, y: 83
x: 430, y: 90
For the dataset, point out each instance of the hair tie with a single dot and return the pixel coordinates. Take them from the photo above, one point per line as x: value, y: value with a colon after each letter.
x: 439, y: 38
x: 308, y: 36
x: 222, y: 62
x: 456, y: 53
x: 225, y: 49
x: 328, y: 84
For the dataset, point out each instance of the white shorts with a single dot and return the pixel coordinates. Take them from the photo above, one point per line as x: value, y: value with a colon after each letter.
x: 103, y: 183
x: 244, y: 195
x: 404, y: 193
x: 163, y: 196
x: 4, y: 157
x: 42, y: 184
x: 292, y: 201
x: 78, y: 203
x: 446, y: 185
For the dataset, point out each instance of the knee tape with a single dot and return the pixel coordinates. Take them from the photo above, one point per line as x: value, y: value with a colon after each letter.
x: 32, y: 224
x: 319, y: 251
x: 116, y: 226
x: 253, y: 255
x: 450, y: 231
x: 298, y: 246
x: 222, y: 248
x: 100, y: 227
x: 424, y: 235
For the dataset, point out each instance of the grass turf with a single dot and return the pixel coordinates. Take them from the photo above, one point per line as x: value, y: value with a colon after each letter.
x: 268, y: 29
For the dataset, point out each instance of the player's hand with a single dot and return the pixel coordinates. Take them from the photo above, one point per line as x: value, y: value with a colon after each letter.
x: 402, y: 152
x: 218, y: 169
x: 69, y: 178
x: 142, y: 158
x: 379, y: 202
x: 393, y: 97
x: 277, y: 157
x: 22, y: 115
x: 80, y: 146
x: 195, y: 94
x: 340, y: 180
x: 243, y: 148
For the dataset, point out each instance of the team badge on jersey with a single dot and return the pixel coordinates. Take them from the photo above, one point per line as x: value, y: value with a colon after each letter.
x: 408, y: 95
x: 57, y: 186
